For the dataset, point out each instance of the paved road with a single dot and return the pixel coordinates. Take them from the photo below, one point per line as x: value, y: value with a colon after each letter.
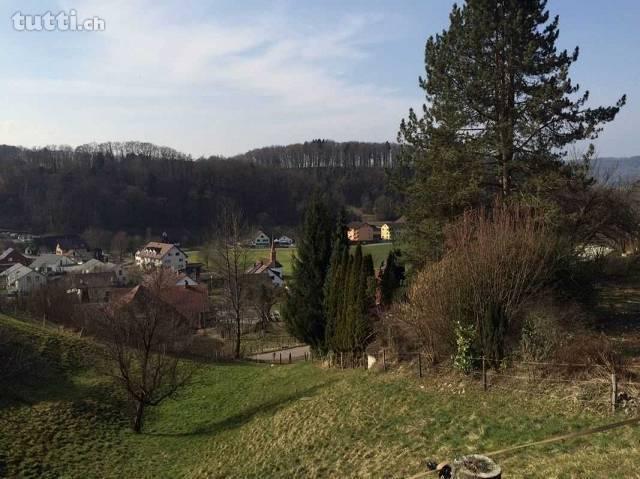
x: 297, y: 354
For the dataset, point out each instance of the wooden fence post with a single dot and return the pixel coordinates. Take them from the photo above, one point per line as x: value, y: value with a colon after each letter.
x: 614, y: 392
x: 289, y: 357
x: 419, y: 365
x: 384, y: 359
x: 484, y: 373
x: 280, y: 358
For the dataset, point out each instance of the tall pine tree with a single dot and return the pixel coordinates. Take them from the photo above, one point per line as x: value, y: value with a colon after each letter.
x: 501, y: 110
x: 304, y: 311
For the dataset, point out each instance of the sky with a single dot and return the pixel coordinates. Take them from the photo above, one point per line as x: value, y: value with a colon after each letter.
x: 222, y: 77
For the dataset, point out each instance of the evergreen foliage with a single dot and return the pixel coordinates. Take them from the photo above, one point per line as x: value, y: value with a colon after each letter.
x: 350, y: 294
x: 304, y: 311
x: 391, y: 278
x: 501, y: 111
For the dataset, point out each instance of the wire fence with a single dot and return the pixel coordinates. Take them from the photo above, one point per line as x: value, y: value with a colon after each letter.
x: 596, y: 385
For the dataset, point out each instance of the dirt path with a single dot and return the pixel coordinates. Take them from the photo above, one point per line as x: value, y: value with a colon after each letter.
x: 297, y: 354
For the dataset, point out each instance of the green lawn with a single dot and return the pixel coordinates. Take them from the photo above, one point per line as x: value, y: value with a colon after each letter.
x: 378, y: 251
x: 256, y: 421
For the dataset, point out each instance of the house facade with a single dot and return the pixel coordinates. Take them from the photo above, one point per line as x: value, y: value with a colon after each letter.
x: 158, y: 255
x: 21, y: 279
x: 358, y: 232
x: 283, y: 241
x: 12, y: 256
x: 269, y: 268
x: 51, y: 263
x: 261, y: 240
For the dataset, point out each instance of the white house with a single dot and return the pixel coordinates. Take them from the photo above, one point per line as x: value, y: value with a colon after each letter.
x: 185, y: 280
x: 283, y: 241
x: 51, y: 263
x: 161, y: 255
x: 261, y: 240
x: 23, y: 280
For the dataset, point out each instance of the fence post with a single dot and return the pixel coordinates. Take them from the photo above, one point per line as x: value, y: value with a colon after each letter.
x: 614, y: 392
x: 289, y: 357
x: 280, y: 355
x: 384, y: 359
x: 419, y: 365
x: 484, y: 373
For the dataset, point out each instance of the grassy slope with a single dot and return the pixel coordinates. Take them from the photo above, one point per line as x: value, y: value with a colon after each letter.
x: 243, y: 420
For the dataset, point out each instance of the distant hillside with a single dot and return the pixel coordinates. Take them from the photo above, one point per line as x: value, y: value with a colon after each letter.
x: 617, y: 170
x: 133, y: 186
x: 325, y: 153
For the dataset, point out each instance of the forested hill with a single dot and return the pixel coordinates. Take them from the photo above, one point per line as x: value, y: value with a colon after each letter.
x: 619, y: 170
x: 138, y: 186
x: 325, y: 153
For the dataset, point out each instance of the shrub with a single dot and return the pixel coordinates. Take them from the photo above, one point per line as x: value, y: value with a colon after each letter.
x: 494, y: 262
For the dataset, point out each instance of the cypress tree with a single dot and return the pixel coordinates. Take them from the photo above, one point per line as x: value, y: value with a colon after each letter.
x: 501, y: 111
x: 363, y: 301
x: 304, y: 311
x: 335, y: 278
x: 390, y: 280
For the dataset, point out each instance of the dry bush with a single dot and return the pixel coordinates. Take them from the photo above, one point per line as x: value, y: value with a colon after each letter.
x: 590, y: 351
x: 494, y: 262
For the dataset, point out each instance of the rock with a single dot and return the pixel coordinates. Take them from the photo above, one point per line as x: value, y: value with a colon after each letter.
x: 476, y: 466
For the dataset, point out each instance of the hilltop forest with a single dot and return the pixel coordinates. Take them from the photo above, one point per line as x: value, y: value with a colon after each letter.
x: 137, y: 186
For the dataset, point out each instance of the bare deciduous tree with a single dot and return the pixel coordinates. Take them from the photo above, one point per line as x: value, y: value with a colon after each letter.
x: 263, y: 296
x: 229, y: 259
x: 120, y: 244
x: 144, y: 339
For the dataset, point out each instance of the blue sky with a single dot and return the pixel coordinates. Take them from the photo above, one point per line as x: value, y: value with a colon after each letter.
x: 222, y: 77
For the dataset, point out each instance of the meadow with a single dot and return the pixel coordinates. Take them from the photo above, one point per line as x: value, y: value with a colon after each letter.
x: 242, y: 420
x: 378, y: 251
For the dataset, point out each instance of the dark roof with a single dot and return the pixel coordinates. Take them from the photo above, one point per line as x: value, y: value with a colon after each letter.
x: 158, y: 250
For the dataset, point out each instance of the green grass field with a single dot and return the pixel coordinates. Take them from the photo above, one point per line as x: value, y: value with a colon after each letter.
x: 243, y: 420
x: 378, y: 251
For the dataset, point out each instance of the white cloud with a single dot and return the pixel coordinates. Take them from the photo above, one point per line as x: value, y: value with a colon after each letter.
x: 163, y: 76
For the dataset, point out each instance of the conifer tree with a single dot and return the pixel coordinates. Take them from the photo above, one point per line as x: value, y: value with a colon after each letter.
x: 335, y: 279
x: 390, y: 280
x: 501, y: 111
x: 304, y: 311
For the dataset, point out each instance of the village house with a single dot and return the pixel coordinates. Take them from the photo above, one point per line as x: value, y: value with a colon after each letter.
x: 51, y: 263
x: 270, y: 269
x: 191, y: 303
x: 90, y: 287
x: 261, y: 240
x: 183, y: 279
x: 358, y: 232
x: 158, y: 255
x: 97, y: 266
x: 283, y: 241
x: 12, y: 256
x: 21, y: 279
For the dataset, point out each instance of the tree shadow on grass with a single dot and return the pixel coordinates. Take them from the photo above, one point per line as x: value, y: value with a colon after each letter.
x: 245, y: 416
